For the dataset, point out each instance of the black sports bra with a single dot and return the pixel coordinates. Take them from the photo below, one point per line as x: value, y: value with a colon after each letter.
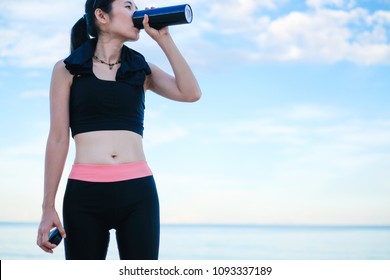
x: 96, y: 104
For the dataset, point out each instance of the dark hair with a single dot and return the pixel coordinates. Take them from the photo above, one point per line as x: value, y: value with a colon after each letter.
x: 86, y: 26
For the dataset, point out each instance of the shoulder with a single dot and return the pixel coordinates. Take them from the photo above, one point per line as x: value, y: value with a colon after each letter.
x: 61, y: 75
x: 142, y: 61
x: 153, y: 72
x: 60, y: 69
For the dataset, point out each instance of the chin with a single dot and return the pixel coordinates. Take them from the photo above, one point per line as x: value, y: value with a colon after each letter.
x: 133, y: 38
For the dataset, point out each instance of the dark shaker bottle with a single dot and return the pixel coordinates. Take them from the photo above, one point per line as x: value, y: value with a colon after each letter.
x: 165, y: 16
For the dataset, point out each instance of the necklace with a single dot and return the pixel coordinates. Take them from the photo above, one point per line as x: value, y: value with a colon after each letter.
x: 109, y: 64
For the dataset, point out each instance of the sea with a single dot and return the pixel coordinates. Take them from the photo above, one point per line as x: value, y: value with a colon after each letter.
x: 228, y: 242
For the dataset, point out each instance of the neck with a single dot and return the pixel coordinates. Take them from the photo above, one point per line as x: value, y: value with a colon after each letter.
x: 108, y: 50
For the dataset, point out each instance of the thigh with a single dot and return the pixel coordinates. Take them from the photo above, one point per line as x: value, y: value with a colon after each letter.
x: 87, y: 235
x: 138, y: 235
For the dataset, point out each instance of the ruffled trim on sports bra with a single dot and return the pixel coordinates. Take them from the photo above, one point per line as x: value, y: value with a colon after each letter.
x: 79, y: 63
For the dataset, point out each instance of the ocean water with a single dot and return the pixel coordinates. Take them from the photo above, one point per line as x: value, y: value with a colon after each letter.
x: 229, y: 242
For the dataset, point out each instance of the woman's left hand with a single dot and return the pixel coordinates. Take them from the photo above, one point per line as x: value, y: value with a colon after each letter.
x: 154, y: 33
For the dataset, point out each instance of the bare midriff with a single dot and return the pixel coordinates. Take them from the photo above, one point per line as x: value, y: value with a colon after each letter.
x: 108, y: 147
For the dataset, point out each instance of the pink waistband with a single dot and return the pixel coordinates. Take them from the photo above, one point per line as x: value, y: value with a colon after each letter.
x: 110, y: 172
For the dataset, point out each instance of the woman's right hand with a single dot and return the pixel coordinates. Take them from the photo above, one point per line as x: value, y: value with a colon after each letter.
x: 49, y: 220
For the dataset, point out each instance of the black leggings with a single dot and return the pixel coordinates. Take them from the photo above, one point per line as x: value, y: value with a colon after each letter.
x: 130, y: 207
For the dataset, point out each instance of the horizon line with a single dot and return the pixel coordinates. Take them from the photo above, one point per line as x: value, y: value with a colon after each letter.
x: 239, y: 224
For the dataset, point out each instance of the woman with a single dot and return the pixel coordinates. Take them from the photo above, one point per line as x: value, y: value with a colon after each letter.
x: 98, y: 92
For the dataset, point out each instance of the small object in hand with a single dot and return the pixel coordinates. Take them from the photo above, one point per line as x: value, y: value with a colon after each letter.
x: 55, y: 236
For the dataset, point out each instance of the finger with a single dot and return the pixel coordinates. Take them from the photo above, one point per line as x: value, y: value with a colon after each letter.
x: 43, y: 236
x: 164, y: 29
x: 146, y: 19
x: 145, y: 22
x: 45, y: 245
x: 61, y: 230
x: 48, y: 249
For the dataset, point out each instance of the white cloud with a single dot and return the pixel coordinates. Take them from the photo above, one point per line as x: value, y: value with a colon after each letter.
x: 32, y: 50
x: 311, y: 127
x: 287, y: 126
x: 236, y: 16
x: 35, y: 94
x: 347, y: 32
x: 326, y: 35
x: 35, y: 34
x: 157, y: 135
x: 41, y: 12
x: 163, y: 125
x: 262, y: 130
x: 335, y: 3
x: 30, y: 149
x: 312, y: 113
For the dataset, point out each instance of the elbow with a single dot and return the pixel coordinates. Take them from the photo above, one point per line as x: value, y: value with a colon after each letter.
x: 59, y: 138
x: 58, y: 143
x: 194, y: 96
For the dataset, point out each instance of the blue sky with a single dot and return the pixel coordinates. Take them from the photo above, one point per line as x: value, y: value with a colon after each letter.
x: 293, y: 126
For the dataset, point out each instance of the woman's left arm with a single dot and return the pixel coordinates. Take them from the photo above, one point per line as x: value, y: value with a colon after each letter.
x: 183, y: 86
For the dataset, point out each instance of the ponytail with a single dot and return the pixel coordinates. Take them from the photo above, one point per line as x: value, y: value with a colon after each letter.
x: 86, y: 26
x: 79, y: 34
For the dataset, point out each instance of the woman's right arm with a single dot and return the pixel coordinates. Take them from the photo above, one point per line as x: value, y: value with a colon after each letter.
x: 56, y: 152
